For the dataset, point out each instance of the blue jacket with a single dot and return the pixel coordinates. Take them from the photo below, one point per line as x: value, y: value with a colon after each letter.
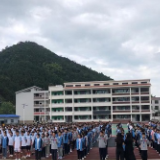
x: 81, y: 145
x: 60, y: 141
x: 39, y: 146
x: 4, y: 142
x: 66, y: 138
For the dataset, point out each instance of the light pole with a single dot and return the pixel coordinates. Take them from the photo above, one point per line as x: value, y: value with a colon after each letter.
x: 24, y: 105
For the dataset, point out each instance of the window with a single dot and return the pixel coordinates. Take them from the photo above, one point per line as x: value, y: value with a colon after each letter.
x: 156, y: 101
x: 125, y: 83
x: 12, y: 120
x: 134, y: 82
x: 87, y: 84
x: 96, y: 84
x: 69, y: 85
x: 143, y: 82
x: 156, y: 108
x: 115, y: 83
x: 106, y: 84
x: 78, y: 85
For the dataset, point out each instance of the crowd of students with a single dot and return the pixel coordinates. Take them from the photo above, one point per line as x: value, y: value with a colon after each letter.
x: 139, y: 135
x: 56, y: 140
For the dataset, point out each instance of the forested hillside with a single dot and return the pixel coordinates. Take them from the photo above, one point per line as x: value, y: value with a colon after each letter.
x: 26, y: 64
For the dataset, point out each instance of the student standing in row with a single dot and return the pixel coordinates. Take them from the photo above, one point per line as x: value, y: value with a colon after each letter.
x: 17, y: 145
x: 144, y: 147
x: 38, y: 147
x: 4, y: 145
x: 60, y: 146
x: 47, y: 142
x: 10, y: 143
x: 54, y: 146
x: 102, y: 141
x: 79, y: 147
x: 28, y: 144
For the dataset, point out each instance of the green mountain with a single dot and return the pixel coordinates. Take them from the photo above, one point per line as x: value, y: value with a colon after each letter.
x: 26, y: 64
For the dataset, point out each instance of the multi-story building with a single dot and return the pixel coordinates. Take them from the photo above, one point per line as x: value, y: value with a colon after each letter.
x: 32, y: 104
x: 101, y: 100
x: 156, y: 107
x: 87, y: 101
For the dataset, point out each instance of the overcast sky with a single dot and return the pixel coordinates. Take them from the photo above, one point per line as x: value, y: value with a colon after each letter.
x: 120, y: 38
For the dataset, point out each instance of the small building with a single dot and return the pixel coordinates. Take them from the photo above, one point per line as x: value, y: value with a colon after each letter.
x: 9, y: 119
x: 156, y: 108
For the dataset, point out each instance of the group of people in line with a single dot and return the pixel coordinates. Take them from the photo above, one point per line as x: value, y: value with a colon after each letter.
x: 140, y: 136
x: 53, y: 140
x: 58, y: 140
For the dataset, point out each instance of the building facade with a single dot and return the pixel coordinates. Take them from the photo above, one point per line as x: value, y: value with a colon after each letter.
x: 156, y: 107
x: 32, y: 104
x: 87, y: 101
x: 101, y: 101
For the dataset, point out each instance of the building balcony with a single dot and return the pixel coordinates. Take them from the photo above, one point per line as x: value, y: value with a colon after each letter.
x: 82, y: 113
x: 145, y: 110
x: 40, y: 98
x: 121, y: 102
x: 102, y: 112
x: 119, y: 94
x: 41, y: 113
x: 135, y: 110
x: 121, y: 111
x: 145, y: 101
x: 41, y: 105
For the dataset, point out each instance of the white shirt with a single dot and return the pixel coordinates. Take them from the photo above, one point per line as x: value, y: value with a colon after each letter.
x: 17, y: 140
x: 11, y: 139
x: 38, y: 143
x: 23, y: 140
x: 28, y: 143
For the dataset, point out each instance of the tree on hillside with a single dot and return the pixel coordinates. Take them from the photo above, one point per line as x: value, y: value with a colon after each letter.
x: 7, y: 108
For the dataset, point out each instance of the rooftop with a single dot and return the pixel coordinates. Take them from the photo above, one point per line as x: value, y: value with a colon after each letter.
x: 9, y: 116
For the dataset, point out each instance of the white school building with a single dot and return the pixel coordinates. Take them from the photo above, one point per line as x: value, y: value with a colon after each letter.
x: 87, y: 101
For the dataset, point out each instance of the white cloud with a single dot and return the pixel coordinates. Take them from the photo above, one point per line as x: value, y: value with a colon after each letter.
x: 119, y: 38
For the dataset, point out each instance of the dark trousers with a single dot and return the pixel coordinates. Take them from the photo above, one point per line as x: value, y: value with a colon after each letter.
x: 73, y: 144
x: 106, y: 150
x: 54, y: 154
x: 43, y: 152
x: 85, y: 151
x: 144, y: 154
x: 158, y: 147
x: 37, y: 154
x: 66, y: 150
x: 102, y: 153
x: 119, y: 154
x: 11, y: 150
x: 79, y: 154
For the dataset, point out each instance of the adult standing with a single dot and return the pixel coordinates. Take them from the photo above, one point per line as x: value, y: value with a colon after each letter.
x: 129, y: 149
x: 119, y: 147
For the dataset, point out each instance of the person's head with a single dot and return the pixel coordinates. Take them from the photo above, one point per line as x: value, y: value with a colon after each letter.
x: 65, y: 130
x: 101, y: 133
x: 38, y: 135
x: 53, y: 134
x: 17, y: 133
x: 28, y: 133
x: 4, y: 133
x: 143, y: 135
x: 79, y: 136
x: 11, y: 134
x: 59, y: 133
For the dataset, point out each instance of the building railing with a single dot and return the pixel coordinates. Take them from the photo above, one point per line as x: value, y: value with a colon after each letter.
x: 36, y: 97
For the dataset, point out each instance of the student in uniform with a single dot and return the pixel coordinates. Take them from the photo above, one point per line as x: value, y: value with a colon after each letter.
x: 144, y: 147
x: 60, y: 145
x: 54, y: 146
x: 43, y: 146
x: 79, y: 147
x: 17, y: 145
x: 4, y: 145
x: 10, y: 143
x: 38, y: 147
x: 0, y: 141
x: 28, y: 144
x: 102, y: 141
x: 66, y: 141
x: 32, y: 142
x: 23, y: 145
x: 47, y: 142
